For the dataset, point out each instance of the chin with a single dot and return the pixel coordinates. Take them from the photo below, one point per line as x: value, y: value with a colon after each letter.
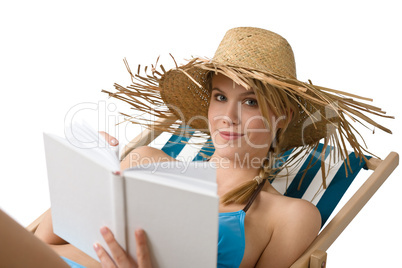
x: 231, y: 154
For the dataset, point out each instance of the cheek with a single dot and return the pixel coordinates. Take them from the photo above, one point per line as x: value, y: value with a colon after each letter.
x: 214, y: 111
x: 211, y: 115
x: 253, y: 121
x: 256, y: 130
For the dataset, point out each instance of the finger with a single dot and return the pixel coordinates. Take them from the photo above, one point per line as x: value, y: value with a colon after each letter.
x: 118, y: 253
x: 103, y: 256
x: 110, y: 139
x: 143, y: 256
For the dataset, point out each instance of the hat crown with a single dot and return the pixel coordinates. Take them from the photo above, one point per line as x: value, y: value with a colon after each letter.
x: 259, y: 49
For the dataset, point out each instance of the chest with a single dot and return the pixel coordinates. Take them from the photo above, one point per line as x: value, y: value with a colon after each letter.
x: 258, y: 232
x: 242, y: 238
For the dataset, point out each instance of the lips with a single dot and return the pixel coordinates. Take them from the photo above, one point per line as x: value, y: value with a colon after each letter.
x: 227, y: 135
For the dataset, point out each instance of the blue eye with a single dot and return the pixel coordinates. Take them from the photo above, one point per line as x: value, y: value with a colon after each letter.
x: 220, y: 97
x: 251, y: 102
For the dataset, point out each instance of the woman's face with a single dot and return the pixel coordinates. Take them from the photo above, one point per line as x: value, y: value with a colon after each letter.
x: 236, y: 123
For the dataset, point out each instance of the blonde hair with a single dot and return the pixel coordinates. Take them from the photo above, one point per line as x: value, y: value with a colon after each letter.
x: 303, y: 107
x: 270, y: 99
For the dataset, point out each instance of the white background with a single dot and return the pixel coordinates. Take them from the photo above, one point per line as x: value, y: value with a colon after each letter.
x: 59, y: 54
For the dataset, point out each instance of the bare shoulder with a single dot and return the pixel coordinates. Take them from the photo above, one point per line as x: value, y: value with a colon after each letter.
x: 144, y: 155
x: 300, y: 212
x: 295, y: 225
x: 287, y: 210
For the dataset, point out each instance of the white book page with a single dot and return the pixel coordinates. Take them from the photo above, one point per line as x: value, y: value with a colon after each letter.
x: 84, y: 194
x: 198, y: 177
x: 179, y: 218
x: 195, y: 170
x: 83, y: 137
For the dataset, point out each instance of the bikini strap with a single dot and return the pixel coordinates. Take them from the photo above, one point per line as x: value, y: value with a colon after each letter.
x: 254, y: 196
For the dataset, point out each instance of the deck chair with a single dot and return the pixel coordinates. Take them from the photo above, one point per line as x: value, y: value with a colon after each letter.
x: 310, y: 188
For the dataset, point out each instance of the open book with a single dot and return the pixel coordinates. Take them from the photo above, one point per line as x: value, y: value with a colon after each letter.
x: 176, y: 203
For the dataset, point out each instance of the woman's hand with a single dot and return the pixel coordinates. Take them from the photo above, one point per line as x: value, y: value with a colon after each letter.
x: 119, y: 257
x: 110, y: 139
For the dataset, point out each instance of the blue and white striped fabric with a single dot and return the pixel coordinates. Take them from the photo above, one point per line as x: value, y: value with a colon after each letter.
x: 310, y: 189
x: 338, y: 179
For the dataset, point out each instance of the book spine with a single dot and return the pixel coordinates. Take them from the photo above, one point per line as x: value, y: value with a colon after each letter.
x: 119, y: 210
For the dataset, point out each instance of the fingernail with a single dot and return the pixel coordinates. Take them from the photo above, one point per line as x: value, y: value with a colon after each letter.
x: 139, y: 233
x: 104, y: 230
x: 96, y: 246
x: 114, y: 142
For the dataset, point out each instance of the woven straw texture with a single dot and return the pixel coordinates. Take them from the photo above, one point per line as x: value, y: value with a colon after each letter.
x: 246, y: 55
x: 258, y: 49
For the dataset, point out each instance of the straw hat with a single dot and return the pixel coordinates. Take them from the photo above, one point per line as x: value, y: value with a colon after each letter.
x: 245, y: 55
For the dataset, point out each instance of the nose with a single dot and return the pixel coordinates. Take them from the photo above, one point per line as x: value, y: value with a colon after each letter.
x: 232, y: 113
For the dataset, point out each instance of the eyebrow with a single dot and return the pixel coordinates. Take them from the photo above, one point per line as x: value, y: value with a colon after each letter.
x: 248, y: 92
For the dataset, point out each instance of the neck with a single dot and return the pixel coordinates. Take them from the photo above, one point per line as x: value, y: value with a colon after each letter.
x: 233, y: 172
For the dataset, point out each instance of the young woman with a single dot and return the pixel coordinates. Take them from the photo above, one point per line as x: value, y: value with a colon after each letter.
x: 277, y: 229
x: 248, y: 100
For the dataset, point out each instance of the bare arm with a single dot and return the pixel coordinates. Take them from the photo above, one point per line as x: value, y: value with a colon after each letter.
x: 141, y: 155
x: 20, y: 248
x: 297, y: 228
x: 45, y: 231
x: 144, y: 155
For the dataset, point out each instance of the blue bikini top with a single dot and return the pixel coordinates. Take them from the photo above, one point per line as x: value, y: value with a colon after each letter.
x: 232, y: 242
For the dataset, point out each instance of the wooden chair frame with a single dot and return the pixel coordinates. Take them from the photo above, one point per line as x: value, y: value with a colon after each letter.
x: 315, y: 256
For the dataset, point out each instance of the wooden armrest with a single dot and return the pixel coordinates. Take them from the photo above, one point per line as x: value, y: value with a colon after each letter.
x: 341, y: 220
x: 318, y: 259
x: 373, y: 163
